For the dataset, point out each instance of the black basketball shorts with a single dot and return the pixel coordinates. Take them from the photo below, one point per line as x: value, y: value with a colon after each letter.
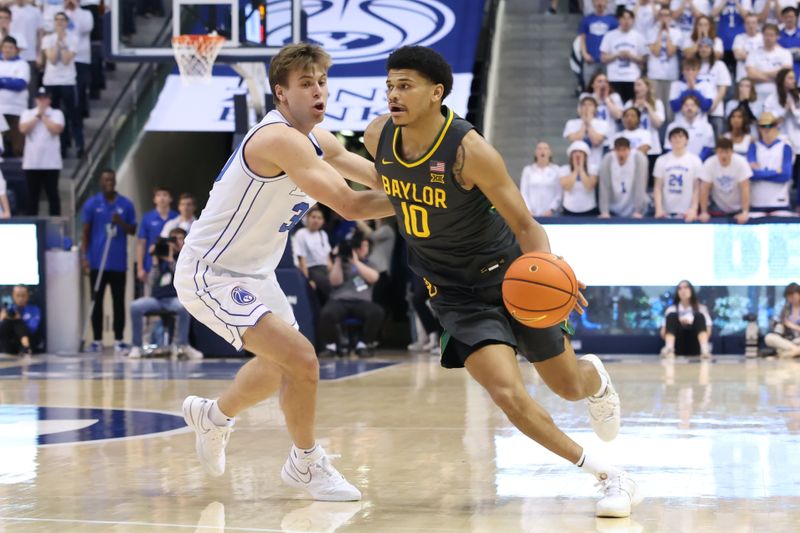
x: 476, y: 317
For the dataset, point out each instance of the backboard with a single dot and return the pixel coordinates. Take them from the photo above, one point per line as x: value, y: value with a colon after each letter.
x: 254, y: 29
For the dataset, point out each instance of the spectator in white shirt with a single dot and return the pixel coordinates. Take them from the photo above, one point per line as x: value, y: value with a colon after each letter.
x: 715, y: 73
x: 701, y: 135
x: 609, y: 103
x: 786, y: 106
x: 703, y: 29
x: 312, y: 249
x: 739, y: 128
x: 588, y: 128
x: 187, y: 208
x: 763, y: 65
x: 81, y: 24
x: 622, y: 51
x: 684, y: 12
x: 745, y: 98
x: 665, y: 42
x: 676, y: 193
x: 14, y: 78
x: 5, y: 28
x: 41, y: 159
x: 622, y: 187
x: 746, y: 43
x: 26, y: 20
x: 5, y: 208
x: 771, y: 161
x: 691, y: 86
x: 60, y: 78
x: 540, y: 185
x: 725, y: 185
x: 638, y: 137
x: 651, y: 111
x: 645, y: 12
x: 579, y: 181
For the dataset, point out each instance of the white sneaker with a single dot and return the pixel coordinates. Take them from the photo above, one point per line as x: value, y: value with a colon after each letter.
x: 211, y: 439
x: 604, y: 412
x: 135, y: 353
x: 620, y: 494
x: 667, y: 352
x: 705, y: 354
x: 191, y: 353
x: 315, y: 474
x: 433, y: 342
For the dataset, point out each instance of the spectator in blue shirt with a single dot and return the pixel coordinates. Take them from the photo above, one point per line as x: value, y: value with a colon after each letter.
x: 150, y: 230
x: 107, y: 215
x: 789, y: 37
x: 592, y: 29
x: 19, y: 324
x: 730, y: 24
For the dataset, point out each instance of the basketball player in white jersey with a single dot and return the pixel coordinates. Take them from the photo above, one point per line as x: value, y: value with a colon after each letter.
x: 226, y: 271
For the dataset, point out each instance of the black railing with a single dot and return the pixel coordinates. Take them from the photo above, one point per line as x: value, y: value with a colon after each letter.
x: 476, y: 105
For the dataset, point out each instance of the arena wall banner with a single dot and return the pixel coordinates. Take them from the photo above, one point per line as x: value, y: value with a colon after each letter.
x: 359, y: 35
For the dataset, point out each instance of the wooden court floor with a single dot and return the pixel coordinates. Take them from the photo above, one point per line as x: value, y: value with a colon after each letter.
x: 97, y: 444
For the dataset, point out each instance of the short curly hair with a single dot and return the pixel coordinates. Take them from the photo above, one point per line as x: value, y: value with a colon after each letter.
x: 426, y: 61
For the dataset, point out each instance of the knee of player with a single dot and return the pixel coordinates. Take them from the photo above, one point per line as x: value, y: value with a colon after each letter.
x: 305, y: 365
x: 509, y: 398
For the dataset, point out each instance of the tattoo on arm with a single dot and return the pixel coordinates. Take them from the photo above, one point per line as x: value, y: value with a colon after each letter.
x: 458, y: 167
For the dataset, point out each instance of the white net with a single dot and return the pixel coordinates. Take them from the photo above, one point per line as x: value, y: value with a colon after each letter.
x: 195, y: 55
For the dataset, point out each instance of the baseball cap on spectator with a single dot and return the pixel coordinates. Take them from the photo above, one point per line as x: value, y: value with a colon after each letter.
x: 767, y: 120
x: 42, y: 92
x: 579, y: 146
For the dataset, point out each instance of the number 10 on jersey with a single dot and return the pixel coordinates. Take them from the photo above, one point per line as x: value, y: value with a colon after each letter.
x: 415, y: 219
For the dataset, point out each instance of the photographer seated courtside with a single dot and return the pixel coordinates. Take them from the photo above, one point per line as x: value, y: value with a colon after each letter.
x: 352, y: 279
x: 163, y: 298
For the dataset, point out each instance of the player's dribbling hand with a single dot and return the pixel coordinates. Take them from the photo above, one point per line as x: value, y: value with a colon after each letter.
x: 581, y: 303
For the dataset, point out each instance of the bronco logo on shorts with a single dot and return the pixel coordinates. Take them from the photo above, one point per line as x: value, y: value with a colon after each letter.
x: 241, y: 296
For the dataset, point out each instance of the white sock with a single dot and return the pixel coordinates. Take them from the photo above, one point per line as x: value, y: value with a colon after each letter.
x: 603, y: 385
x: 303, y: 454
x: 704, y: 347
x: 595, y: 466
x: 217, y: 417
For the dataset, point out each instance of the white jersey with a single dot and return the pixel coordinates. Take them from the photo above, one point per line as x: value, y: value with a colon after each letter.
x: 245, y: 224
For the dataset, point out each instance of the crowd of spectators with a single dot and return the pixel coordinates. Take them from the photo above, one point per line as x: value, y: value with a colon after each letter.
x: 706, y: 91
x: 51, y: 67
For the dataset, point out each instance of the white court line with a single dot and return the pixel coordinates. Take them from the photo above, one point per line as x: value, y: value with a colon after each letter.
x: 127, y: 523
x: 187, y: 526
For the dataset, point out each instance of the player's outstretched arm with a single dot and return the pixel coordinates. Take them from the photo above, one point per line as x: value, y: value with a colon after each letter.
x: 276, y: 148
x: 351, y: 166
x: 479, y: 164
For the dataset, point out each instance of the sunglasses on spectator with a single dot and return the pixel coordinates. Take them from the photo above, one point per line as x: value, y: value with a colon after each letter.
x: 767, y: 126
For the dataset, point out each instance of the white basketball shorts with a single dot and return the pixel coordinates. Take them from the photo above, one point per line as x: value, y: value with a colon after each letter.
x: 226, y: 302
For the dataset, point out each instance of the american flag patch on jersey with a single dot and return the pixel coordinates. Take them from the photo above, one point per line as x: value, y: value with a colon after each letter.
x: 437, y: 166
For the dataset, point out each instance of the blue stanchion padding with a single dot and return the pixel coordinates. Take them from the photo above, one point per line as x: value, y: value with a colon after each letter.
x: 296, y: 288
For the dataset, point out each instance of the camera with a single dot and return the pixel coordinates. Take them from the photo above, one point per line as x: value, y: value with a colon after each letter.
x: 11, y: 313
x: 347, y: 245
x: 162, y: 249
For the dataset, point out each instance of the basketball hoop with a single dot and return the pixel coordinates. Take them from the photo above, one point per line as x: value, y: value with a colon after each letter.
x: 195, y: 55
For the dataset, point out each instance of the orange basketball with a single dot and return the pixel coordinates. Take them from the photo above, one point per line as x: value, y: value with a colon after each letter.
x: 540, y: 289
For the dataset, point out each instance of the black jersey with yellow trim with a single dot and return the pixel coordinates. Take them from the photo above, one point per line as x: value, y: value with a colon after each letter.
x: 455, y: 237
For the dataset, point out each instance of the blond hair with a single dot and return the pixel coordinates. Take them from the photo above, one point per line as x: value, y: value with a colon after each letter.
x: 293, y: 57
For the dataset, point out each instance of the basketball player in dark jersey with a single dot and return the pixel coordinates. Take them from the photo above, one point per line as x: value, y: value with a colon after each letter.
x: 465, y: 221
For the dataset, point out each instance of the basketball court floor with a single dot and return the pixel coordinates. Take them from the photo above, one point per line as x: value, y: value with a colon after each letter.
x: 98, y: 444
